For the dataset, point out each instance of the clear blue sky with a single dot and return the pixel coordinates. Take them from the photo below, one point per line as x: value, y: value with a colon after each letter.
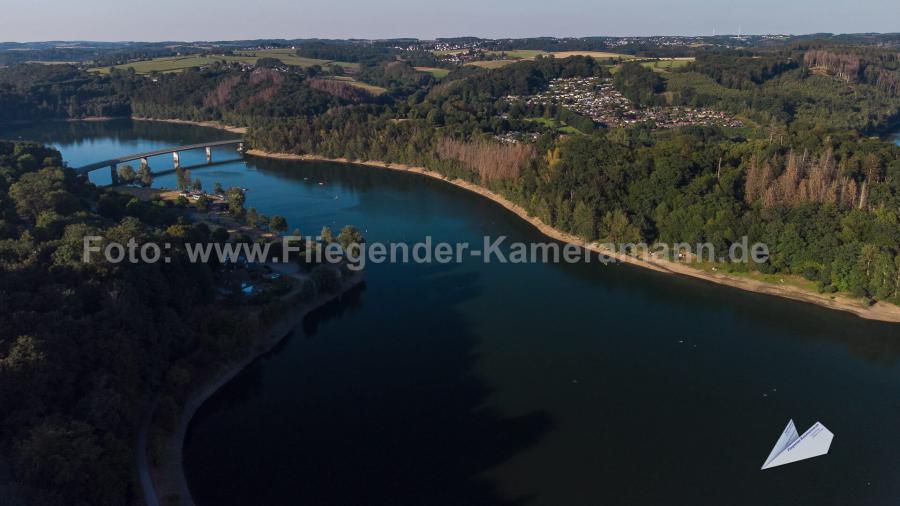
x: 153, y: 20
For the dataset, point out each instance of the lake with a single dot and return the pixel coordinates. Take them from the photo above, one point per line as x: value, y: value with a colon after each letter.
x: 498, y: 384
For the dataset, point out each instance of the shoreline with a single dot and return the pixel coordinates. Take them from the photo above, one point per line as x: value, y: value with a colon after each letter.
x: 62, y: 120
x: 167, y: 481
x: 169, y: 478
x: 218, y: 125
x: 880, y: 311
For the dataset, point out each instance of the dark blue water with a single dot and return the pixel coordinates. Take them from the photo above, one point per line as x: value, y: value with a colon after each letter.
x: 522, y: 384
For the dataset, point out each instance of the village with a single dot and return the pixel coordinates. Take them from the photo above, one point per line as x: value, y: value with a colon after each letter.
x: 597, y: 99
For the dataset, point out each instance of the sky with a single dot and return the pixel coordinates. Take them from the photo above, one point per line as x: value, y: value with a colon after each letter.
x: 196, y: 20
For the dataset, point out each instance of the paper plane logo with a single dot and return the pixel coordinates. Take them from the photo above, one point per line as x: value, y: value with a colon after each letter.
x: 792, y: 447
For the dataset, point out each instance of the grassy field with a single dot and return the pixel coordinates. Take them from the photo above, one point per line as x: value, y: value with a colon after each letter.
x: 289, y: 57
x: 445, y: 52
x: 371, y: 88
x: 600, y: 55
x: 436, y: 72
x: 560, y: 126
x: 171, y: 64
x: 53, y: 62
x: 667, y: 65
x: 661, y: 65
x: 701, y: 84
x: 518, y: 54
x: 286, y: 55
x: 491, y: 64
x: 530, y: 54
x: 180, y: 63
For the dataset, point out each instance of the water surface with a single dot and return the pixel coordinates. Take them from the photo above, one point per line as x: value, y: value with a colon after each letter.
x: 489, y: 384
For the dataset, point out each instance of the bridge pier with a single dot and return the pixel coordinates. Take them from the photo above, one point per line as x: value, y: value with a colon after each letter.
x: 112, y: 164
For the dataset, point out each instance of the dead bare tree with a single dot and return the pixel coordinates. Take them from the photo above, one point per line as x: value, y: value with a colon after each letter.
x: 491, y: 161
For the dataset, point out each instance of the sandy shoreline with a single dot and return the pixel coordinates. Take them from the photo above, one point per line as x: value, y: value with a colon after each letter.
x: 210, y: 124
x: 218, y: 125
x: 168, y: 481
x: 880, y: 311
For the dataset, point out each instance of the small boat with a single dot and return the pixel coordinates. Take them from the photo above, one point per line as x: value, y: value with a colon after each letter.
x: 792, y: 447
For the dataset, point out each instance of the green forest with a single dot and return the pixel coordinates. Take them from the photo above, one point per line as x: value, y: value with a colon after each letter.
x: 88, y: 347
x: 85, y: 347
x: 806, y: 174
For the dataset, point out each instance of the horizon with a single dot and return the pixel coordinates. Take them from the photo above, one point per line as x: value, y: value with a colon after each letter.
x: 225, y: 20
x: 426, y: 39
x: 412, y: 253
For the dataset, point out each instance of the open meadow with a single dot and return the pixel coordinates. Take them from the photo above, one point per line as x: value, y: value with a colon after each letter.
x: 371, y: 88
x: 659, y: 65
x: 436, y: 72
x: 491, y: 64
x: 515, y: 55
x: 179, y: 63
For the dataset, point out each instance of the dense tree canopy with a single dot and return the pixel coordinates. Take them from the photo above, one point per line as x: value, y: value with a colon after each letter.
x: 640, y: 84
x: 83, y: 345
x: 33, y: 91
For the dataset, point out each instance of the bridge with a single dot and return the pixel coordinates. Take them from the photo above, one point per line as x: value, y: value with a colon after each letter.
x: 113, y: 163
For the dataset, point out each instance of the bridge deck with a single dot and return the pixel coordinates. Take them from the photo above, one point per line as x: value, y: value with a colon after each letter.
x: 148, y: 154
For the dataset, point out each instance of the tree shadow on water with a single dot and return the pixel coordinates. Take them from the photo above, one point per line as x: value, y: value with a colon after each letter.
x: 383, y: 407
x: 348, y: 303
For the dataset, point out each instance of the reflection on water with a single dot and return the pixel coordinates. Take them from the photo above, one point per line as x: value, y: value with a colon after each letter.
x: 524, y: 384
x: 120, y: 131
x: 374, y: 421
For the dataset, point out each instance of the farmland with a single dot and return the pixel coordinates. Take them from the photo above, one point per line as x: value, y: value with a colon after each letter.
x: 289, y: 57
x: 600, y: 55
x: 371, y: 88
x: 659, y: 65
x: 528, y: 54
x: 173, y: 63
x: 666, y: 64
x: 518, y: 54
x: 491, y: 64
x: 180, y: 63
x: 436, y: 72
